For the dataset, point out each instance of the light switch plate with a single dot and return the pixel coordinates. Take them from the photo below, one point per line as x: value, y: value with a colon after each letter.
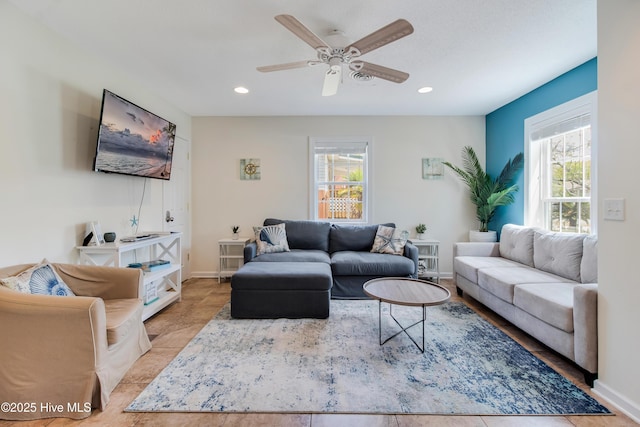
x: 614, y: 209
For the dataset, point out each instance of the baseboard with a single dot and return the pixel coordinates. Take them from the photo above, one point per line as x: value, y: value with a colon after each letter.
x: 214, y: 275
x: 629, y: 408
x: 204, y: 274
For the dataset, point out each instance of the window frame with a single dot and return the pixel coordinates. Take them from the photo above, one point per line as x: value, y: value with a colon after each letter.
x: 534, y: 176
x: 347, y: 142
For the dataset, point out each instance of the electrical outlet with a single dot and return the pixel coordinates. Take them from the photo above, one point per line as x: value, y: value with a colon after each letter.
x: 614, y: 209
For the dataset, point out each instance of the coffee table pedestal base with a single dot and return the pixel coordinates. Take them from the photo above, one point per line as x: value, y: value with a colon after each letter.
x: 402, y: 328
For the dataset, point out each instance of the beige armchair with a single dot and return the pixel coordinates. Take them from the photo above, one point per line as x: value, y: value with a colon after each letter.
x: 61, y: 356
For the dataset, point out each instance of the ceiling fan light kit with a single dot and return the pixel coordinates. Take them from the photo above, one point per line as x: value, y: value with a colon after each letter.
x: 336, y: 57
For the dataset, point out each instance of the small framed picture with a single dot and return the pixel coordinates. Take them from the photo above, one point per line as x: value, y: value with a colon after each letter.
x: 150, y: 292
x: 93, y: 234
x: 432, y: 168
x: 250, y: 169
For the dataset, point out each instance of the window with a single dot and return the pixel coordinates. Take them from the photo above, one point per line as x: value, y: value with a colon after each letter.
x: 339, y: 181
x: 559, y: 170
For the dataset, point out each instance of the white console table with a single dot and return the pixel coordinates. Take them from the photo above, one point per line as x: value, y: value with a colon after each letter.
x: 165, y: 282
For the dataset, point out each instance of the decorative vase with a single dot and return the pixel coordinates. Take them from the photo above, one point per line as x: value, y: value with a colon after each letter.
x: 109, y: 237
x: 483, y: 236
x: 235, y: 236
x: 420, y: 236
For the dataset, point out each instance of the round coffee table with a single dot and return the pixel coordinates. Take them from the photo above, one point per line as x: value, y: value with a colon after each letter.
x: 405, y: 291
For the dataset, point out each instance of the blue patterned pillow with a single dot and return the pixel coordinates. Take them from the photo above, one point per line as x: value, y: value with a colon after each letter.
x: 40, y: 279
x: 270, y: 239
x: 388, y: 240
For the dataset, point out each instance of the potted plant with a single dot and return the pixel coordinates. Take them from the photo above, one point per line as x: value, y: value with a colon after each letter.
x: 235, y: 229
x: 487, y: 193
x: 420, y: 230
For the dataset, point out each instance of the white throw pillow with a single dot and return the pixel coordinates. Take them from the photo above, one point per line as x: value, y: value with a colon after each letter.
x: 388, y: 240
x: 270, y: 239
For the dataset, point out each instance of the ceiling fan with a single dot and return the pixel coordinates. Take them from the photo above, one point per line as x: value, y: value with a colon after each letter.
x: 336, y: 56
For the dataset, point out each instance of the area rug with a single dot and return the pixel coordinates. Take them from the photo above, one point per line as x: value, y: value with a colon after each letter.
x: 336, y: 365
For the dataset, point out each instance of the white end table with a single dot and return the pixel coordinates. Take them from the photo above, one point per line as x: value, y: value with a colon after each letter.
x: 231, y: 255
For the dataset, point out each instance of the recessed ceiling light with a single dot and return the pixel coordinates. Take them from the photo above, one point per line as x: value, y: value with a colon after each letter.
x: 425, y: 89
x: 241, y: 89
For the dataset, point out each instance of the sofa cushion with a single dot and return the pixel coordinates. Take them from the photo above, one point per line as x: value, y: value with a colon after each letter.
x: 516, y: 243
x: 302, y: 234
x: 271, y: 238
x: 285, y: 276
x: 353, y: 237
x: 353, y: 263
x: 295, y: 255
x: 589, y: 263
x: 468, y: 266
x: 501, y: 281
x: 558, y: 253
x: 550, y: 302
x: 389, y: 240
x: 123, y: 318
x: 41, y: 279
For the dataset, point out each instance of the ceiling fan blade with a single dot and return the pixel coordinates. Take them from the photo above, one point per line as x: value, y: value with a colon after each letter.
x: 385, y: 35
x: 288, y: 66
x: 379, y: 71
x: 298, y: 28
x: 331, y: 81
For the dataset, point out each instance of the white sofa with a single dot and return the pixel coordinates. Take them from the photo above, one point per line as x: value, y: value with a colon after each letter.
x: 543, y: 282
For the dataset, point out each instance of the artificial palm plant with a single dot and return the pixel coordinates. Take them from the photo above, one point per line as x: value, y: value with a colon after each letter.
x: 487, y: 193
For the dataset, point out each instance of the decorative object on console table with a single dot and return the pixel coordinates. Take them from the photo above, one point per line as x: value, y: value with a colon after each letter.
x: 428, y: 259
x: 93, y: 234
x: 231, y: 255
x: 420, y: 230
x: 487, y: 193
x: 157, y: 264
x: 150, y: 293
x: 110, y: 237
x: 235, y: 229
x: 158, y: 246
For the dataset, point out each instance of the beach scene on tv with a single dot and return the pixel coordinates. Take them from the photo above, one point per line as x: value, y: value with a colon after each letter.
x: 133, y: 141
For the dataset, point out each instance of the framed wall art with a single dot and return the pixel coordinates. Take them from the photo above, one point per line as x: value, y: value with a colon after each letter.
x: 432, y: 168
x: 250, y: 169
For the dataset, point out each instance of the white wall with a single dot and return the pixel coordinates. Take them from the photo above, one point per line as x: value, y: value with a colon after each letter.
x: 400, y: 195
x: 50, y: 93
x: 618, y: 157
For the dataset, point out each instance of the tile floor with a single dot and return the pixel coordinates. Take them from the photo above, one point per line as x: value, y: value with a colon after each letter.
x: 175, y: 326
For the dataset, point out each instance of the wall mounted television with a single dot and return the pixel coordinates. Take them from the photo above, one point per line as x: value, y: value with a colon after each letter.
x: 132, y: 140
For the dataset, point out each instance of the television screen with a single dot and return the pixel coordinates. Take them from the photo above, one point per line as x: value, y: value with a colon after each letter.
x: 132, y: 140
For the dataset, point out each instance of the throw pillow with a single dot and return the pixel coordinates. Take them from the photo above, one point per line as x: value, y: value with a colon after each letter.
x: 388, y: 240
x: 40, y: 279
x: 271, y: 239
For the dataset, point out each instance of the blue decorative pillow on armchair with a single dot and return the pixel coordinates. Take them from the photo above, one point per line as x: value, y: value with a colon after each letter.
x: 40, y: 279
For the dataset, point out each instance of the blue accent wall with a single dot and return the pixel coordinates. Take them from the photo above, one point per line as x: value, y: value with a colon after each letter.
x: 505, y: 128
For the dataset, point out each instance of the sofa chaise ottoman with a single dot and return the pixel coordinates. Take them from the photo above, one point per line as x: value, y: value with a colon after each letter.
x: 293, y: 290
x: 346, y: 248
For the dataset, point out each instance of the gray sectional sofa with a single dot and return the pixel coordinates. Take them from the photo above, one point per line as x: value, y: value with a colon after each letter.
x: 543, y: 282
x: 324, y: 261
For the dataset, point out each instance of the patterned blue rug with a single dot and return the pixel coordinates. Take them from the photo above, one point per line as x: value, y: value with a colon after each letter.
x: 337, y: 366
